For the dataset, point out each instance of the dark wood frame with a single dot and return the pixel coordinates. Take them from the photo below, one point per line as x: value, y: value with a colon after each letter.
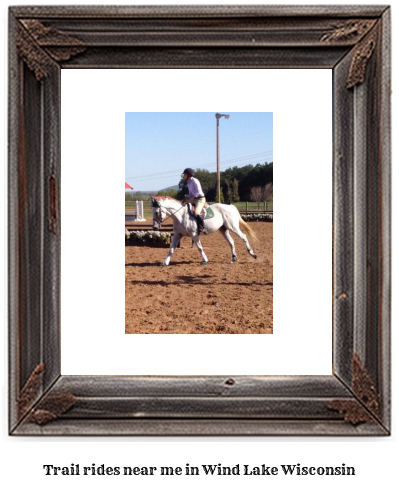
x: 353, y: 41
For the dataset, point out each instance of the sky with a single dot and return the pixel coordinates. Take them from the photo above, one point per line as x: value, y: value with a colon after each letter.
x: 159, y: 146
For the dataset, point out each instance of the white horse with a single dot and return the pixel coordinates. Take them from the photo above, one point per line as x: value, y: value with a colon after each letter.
x: 226, y: 218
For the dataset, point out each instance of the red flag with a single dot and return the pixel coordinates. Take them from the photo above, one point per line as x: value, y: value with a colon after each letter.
x: 128, y: 186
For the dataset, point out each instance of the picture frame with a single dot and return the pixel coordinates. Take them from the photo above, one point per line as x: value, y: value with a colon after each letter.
x: 352, y: 41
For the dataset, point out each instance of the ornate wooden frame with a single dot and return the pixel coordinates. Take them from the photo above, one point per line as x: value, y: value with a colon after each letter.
x: 352, y: 41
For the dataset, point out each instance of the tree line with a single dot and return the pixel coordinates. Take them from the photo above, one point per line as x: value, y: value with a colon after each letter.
x: 248, y: 183
x: 236, y: 183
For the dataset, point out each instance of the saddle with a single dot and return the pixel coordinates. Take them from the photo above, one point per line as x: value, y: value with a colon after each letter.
x: 206, y: 211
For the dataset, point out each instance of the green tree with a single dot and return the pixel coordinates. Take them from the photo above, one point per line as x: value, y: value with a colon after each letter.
x: 235, y: 196
x: 236, y: 182
x: 253, y: 176
x: 129, y: 197
x: 138, y: 196
x: 228, y: 192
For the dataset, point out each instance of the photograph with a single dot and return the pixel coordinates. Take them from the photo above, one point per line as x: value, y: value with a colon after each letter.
x: 199, y: 223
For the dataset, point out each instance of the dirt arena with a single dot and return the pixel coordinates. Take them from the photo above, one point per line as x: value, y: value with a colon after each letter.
x: 187, y: 298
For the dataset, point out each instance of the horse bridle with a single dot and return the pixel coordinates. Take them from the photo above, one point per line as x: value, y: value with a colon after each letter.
x: 156, y: 204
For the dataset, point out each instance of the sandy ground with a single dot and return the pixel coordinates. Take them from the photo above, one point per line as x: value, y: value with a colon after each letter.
x: 187, y: 298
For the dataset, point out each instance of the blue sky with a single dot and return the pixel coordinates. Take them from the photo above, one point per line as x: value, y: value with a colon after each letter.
x: 159, y: 146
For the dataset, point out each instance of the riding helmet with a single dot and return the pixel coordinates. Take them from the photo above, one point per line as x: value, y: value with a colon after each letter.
x: 189, y: 172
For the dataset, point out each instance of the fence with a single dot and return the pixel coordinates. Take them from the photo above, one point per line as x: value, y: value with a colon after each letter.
x: 254, y: 207
x: 243, y: 207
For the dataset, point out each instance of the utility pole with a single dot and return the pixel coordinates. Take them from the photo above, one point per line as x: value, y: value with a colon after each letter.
x: 218, y: 116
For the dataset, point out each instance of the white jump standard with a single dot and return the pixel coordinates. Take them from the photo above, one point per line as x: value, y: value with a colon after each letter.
x: 140, y: 212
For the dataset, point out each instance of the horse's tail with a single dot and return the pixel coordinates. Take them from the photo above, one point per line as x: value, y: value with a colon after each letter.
x: 247, y: 229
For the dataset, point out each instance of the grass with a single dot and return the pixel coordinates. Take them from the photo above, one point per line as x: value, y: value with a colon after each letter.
x: 241, y: 205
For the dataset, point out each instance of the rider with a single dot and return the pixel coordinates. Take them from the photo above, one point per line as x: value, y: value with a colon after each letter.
x: 196, y: 195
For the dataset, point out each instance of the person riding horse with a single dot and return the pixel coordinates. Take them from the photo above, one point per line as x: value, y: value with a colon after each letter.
x: 196, y: 195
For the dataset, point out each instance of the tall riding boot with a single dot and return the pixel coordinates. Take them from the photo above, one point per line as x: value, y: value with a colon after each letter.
x: 201, y: 226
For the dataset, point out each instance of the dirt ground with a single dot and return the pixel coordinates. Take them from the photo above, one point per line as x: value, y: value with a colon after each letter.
x: 188, y: 298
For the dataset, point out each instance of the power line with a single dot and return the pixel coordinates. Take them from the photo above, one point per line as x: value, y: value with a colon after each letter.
x: 163, y: 176
x: 157, y: 175
x: 223, y: 162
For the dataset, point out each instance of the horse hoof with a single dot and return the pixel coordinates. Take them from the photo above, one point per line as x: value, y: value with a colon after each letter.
x: 204, y: 263
x: 162, y: 265
x: 254, y: 256
x: 234, y: 259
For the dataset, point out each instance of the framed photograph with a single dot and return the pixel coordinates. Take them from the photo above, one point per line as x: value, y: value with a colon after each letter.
x: 47, y: 45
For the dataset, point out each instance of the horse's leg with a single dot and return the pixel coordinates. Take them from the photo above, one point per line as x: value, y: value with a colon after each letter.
x: 236, y: 229
x: 199, y: 245
x: 175, y: 241
x: 229, y: 239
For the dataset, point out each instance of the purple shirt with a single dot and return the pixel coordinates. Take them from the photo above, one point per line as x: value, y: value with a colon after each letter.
x: 194, y: 188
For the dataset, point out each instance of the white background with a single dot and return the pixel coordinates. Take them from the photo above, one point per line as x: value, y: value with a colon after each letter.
x: 93, y: 260
x: 22, y: 459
